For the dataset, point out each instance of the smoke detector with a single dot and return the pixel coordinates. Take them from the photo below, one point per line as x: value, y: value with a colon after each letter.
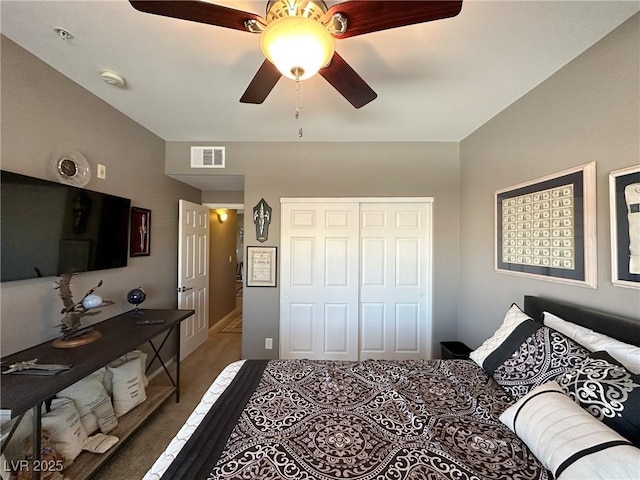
x: 112, y: 78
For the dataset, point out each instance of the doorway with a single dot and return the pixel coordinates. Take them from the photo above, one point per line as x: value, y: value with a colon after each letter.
x: 225, y: 260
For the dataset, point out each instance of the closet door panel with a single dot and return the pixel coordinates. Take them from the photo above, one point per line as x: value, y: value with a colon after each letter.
x: 336, y: 331
x: 301, y: 273
x: 372, y: 318
x: 395, y: 263
x: 336, y: 262
x: 407, y: 328
x: 373, y: 269
x: 301, y: 328
x: 407, y: 262
x: 319, y: 248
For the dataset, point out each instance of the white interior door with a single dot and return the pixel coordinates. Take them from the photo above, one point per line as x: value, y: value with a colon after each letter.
x: 319, y: 281
x: 395, y: 281
x: 193, y: 273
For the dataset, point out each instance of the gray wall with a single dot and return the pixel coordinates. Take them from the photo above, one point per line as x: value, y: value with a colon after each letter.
x: 275, y: 170
x: 588, y: 111
x: 222, y: 197
x: 44, y: 112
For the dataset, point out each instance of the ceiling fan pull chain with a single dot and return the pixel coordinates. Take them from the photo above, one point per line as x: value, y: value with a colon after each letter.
x: 299, y: 102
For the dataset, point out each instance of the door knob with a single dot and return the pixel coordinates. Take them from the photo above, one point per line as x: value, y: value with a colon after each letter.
x: 184, y: 289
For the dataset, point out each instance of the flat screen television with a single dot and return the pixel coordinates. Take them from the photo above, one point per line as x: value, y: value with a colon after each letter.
x: 49, y: 228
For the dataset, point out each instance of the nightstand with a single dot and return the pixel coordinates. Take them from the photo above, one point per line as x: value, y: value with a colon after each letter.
x: 455, y: 350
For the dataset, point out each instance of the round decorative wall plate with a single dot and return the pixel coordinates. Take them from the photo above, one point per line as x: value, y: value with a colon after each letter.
x: 71, y: 168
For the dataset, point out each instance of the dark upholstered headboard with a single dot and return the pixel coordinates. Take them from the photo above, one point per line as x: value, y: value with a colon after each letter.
x: 622, y: 328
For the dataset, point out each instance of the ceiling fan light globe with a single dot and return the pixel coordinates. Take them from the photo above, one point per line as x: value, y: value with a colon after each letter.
x: 297, y: 44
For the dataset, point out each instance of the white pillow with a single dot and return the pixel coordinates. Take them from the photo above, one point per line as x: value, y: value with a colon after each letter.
x: 512, y: 319
x: 628, y: 355
x: 140, y: 355
x: 66, y: 430
x: 568, y: 440
x: 89, y: 394
x: 105, y: 415
x: 128, y: 386
x: 100, y: 443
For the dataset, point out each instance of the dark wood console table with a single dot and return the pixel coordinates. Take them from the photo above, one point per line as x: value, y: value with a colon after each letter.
x: 120, y: 335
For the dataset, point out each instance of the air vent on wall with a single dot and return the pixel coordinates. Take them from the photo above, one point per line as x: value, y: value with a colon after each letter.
x: 207, y: 157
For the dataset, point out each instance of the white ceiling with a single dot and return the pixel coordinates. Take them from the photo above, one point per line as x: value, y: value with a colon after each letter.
x: 437, y: 81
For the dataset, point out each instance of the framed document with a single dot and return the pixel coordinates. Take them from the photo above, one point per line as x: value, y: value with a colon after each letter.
x: 546, y: 228
x: 261, y: 266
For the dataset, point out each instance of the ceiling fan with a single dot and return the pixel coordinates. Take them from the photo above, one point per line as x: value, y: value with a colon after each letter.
x: 297, y: 36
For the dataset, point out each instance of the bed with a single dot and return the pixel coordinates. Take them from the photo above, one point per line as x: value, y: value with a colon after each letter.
x: 504, y: 414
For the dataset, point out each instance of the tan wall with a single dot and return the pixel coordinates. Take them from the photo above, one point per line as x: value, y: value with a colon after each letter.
x: 222, y: 265
x: 43, y: 112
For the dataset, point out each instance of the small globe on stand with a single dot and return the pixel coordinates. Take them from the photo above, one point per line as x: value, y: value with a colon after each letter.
x: 135, y: 297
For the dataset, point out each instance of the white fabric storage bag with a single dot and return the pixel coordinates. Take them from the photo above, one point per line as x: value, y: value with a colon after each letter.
x: 127, y: 380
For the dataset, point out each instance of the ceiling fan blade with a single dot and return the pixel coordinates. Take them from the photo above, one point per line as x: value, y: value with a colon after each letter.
x: 365, y: 16
x: 196, y: 11
x: 263, y: 82
x: 346, y: 81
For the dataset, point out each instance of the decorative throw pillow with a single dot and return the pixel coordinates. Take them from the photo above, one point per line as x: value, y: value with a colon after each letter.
x: 542, y: 356
x: 128, y: 385
x: 88, y: 394
x: 567, y: 440
x: 628, y: 355
x: 100, y: 443
x: 608, y: 391
x: 133, y: 354
x: 512, y: 319
x: 65, y: 427
x: 105, y: 415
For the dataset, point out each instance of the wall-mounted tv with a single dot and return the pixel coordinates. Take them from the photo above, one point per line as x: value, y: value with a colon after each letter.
x: 49, y: 228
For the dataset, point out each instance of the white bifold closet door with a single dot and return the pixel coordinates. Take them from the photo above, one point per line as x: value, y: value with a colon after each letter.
x: 355, y: 278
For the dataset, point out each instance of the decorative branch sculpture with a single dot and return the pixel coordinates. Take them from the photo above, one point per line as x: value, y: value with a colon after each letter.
x: 71, y: 324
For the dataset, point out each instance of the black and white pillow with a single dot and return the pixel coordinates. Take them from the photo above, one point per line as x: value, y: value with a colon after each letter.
x: 543, y: 356
x: 608, y: 391
x: 628, y: 355
x: 567, y: 440
x: 499, y: 341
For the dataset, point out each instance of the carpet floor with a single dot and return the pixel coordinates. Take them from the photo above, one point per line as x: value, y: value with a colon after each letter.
x: 197, y: 372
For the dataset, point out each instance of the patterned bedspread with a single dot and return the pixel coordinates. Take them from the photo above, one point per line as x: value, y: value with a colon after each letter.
x: 434, y: 419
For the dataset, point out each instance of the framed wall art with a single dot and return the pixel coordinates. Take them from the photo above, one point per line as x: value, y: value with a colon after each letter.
x: 261, y: 266
x: 546, y: 228
x: 140, y: 232
x: 624, y: 202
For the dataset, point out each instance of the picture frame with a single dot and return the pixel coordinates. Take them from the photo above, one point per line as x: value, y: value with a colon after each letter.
x: 262, y: 266
x: 140, y: 232
x: 546, y: 228
x: 624, y: 205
